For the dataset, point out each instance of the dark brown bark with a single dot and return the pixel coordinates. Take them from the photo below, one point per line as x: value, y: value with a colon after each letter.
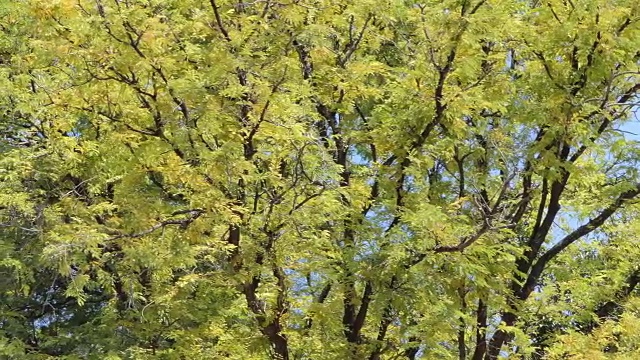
x: 481, y: 328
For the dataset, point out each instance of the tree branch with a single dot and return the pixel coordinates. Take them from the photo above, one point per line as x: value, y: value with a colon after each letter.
x: 578, y: 233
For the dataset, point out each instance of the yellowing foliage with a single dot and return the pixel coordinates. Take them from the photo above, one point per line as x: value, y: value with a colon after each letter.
x: 319, y: 179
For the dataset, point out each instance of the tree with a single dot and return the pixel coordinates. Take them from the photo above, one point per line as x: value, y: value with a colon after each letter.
x: 319, y: 179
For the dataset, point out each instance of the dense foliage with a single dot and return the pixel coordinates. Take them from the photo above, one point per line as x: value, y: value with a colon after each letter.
x: 319, y: 179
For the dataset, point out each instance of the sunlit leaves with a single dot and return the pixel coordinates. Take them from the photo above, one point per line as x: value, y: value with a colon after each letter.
x: 318, y: 179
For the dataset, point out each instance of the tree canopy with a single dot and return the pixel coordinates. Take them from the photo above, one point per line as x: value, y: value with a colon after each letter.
x: 319, y: 179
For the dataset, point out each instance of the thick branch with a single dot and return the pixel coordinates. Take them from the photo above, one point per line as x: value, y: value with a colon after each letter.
x: 221, y: 27
x: 481, y: 329
x: 578, y: 233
